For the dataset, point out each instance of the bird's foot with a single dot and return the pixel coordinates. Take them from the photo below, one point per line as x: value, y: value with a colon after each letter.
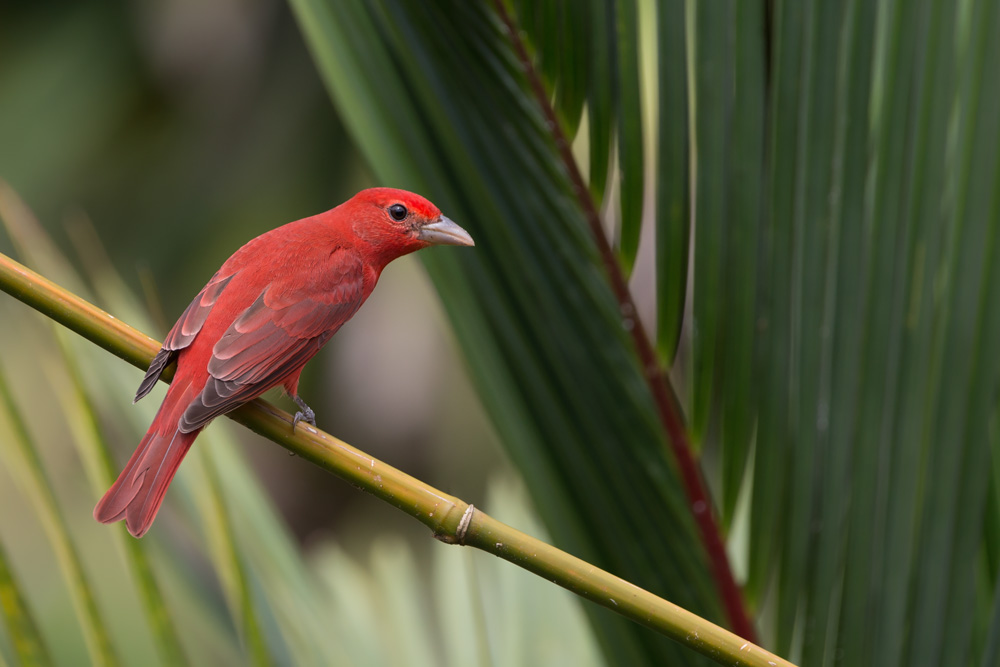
x: 306, y: 414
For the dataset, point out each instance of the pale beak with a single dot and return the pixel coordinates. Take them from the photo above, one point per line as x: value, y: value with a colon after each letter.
x: 444, y: 232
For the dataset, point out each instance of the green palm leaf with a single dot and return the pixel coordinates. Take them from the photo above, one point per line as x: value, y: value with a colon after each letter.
x: 531, y: 306
x: 839, y: 162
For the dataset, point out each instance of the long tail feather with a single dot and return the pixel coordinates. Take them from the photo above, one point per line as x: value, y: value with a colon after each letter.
x: 138, y: 492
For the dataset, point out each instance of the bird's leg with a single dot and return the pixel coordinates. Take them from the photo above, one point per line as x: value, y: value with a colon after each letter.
x: 306, y: 414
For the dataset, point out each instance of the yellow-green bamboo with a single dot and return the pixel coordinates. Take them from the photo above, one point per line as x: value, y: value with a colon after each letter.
x: 450, y: 519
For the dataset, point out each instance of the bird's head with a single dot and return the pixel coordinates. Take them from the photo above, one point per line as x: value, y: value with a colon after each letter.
x: 396, y: 222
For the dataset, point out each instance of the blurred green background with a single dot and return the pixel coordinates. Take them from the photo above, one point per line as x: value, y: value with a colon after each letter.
x: 167, y: 134
x: 802, y: 193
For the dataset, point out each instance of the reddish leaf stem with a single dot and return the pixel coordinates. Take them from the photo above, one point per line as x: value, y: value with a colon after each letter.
x: 667, y: 406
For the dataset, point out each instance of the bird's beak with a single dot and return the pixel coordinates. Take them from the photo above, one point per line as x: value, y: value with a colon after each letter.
x: 444, y: 232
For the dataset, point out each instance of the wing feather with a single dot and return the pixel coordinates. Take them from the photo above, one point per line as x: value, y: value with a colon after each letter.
x: 184, y: 330
x: 274, y: 337
x: 193, y: 318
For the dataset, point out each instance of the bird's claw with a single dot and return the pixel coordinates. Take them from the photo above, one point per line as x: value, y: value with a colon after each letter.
x: 306, y: 414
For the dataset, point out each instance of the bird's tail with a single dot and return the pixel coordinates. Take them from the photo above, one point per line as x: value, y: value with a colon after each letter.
x: 138, y: 492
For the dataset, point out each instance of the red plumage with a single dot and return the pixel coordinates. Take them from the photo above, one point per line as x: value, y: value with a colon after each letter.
x: 261, y: 317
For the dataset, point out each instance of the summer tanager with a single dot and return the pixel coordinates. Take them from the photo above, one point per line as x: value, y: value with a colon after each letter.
x: 261, y: 317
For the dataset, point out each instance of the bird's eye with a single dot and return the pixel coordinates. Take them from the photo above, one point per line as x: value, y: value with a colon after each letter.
x: 397, y: 211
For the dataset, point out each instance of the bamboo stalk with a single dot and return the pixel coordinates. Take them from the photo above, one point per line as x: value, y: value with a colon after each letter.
x: 452, y: 520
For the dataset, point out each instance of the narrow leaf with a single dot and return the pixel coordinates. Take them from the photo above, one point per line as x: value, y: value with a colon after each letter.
x: 28, y: 643
x: 631, y: 165
x: 37, y: 486
x: 673, y: 180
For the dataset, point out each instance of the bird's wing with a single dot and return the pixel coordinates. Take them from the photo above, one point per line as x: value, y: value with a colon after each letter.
x: 185, y: 329
x: 284, y: 327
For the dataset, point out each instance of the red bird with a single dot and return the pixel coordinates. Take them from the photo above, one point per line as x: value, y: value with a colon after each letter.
x: 262, y: 316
